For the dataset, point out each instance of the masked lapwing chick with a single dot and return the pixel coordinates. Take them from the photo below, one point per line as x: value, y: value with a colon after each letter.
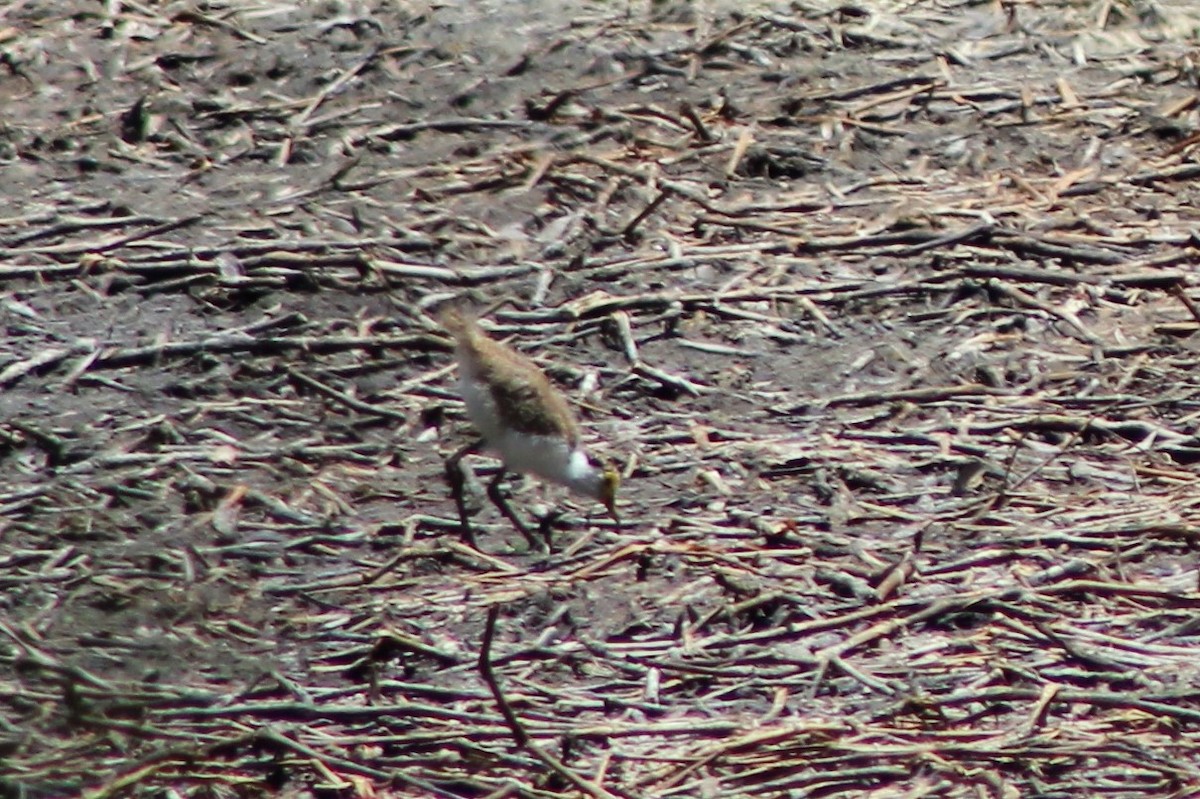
x: 522, y: 418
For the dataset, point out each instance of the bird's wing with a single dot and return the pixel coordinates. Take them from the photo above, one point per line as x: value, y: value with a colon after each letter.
x: 524, y: 396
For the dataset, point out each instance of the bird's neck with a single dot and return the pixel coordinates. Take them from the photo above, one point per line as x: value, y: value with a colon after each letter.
x: 583, y: 476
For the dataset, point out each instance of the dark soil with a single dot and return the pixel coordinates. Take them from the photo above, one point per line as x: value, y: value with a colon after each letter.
x: 884, y: 310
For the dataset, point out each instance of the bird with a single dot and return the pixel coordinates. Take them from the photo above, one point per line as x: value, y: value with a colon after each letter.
x: 522, y: 418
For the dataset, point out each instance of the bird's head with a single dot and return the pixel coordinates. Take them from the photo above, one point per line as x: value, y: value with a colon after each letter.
x: 610, y: 481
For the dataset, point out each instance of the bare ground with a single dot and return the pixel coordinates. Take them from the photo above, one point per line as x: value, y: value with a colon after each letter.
x: 885, y: 310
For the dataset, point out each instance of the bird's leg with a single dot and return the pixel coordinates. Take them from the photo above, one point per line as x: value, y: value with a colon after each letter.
x: 501, y: 503
x: 454, y: 477
x: 546, y: 525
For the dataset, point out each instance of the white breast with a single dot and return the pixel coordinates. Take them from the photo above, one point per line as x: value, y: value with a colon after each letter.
x: 548, y: 457
x: 481, y: 407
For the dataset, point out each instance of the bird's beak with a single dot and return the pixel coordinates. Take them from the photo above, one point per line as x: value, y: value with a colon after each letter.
x: 608, y: 492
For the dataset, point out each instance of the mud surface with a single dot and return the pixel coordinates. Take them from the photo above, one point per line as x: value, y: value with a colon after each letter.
x: 884, y: 310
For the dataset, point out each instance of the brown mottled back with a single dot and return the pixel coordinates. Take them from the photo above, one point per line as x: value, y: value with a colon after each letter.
x: 525, y: 399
